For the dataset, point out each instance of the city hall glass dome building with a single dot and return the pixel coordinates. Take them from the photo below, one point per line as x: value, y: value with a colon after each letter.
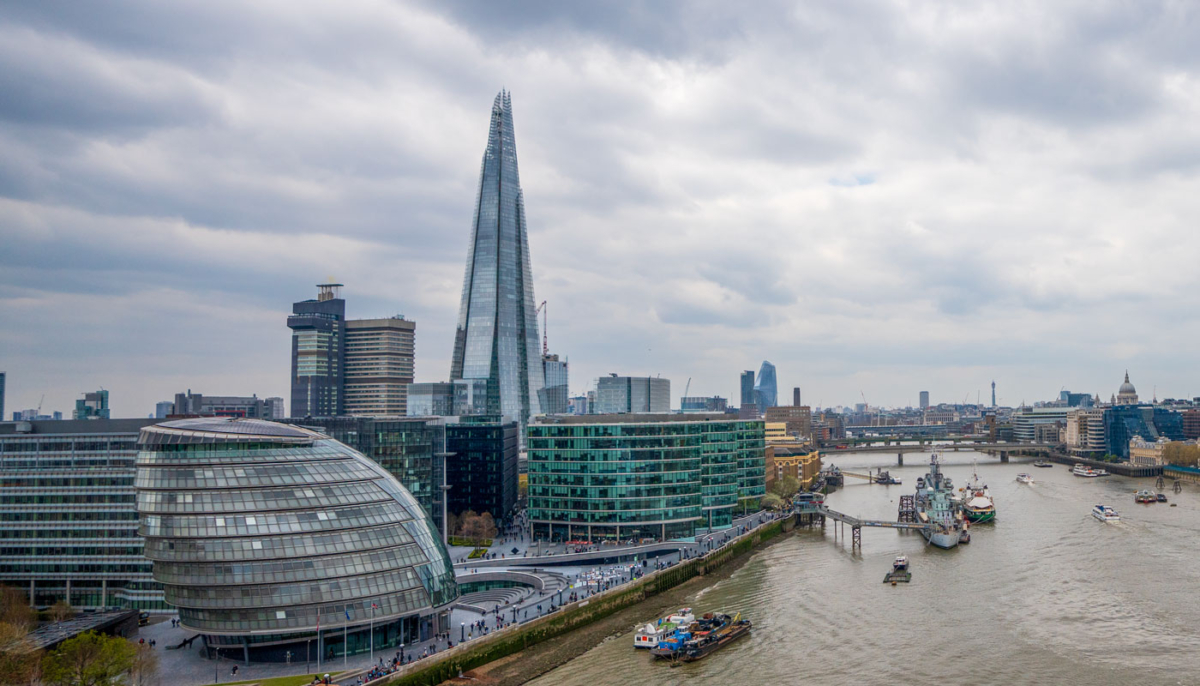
x: 273, y: 539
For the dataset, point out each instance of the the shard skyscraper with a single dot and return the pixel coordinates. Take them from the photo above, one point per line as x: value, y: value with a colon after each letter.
x: 496, y: 344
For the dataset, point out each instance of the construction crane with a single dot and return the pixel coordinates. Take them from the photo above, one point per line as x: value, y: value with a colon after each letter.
x: 688, y: 387
x: 866, y: 405
x: 545, y: 343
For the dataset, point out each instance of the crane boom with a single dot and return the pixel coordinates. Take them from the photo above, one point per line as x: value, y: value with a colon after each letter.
x: 545, y: 325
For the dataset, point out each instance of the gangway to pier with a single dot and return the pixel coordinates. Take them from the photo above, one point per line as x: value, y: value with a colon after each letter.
x: 814, y: 510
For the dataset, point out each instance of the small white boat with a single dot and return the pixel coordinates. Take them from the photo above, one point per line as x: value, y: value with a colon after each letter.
x: 1105, y: 513
x: 901, y: 563
x: 1024, y: 478
x: 648, y: 635
x: 1086, y: 471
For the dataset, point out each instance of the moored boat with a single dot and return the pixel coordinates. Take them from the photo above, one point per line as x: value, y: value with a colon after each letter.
x: 935, y: 504
x: 978, y: 505
x: 649, y: 635
x: 1043, y: 464
x: 1105, y: 513
x: 1161, y: 497
x: 1144, y: 496
x: 703, y: 637
x: 1089, y: 472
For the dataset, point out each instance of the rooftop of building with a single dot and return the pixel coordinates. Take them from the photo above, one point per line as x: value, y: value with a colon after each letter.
x: 222, y: 429
x: 635, y: 418
x: 74, y: 426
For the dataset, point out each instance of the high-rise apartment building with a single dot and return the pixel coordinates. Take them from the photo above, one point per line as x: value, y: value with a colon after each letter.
x: 632, y: 394
x: 68, y: 516
x: 497, y: 335
x: 924, y: 400
x: 797, y: 419
x: 796, y: 397
x: 2, y: 380
x: 378, y: 366
x: 92, y: 406
x: 766, y: 393
x: 318, y: 340
x: 553, y: 398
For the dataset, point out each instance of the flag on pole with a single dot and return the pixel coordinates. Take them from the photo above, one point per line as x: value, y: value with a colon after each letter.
x: 347, y: 615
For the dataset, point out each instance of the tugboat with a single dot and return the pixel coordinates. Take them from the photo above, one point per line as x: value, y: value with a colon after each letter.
x: 978, y: 504
x: 935, y: 504
x: 899, y: 571
x: 711, y: 633
x: 886, y: 479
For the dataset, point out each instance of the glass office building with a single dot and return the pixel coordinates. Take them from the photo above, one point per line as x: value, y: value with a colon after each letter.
x: 553, y: 398
x: 632, y: 394
x: 497, y: 335
x: 411, y: 449
x: 318, y: 347
x: 626, y: 477
x: 481, y: 467
x: 1123, y: 422
x: 766, y: 391
x: 68, y: 517
x: 266, y: 535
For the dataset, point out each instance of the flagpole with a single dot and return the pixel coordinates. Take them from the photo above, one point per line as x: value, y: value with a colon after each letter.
x: 372, y: 633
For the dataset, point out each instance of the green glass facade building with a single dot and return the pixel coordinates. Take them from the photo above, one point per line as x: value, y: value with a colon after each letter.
x: 622, y: 477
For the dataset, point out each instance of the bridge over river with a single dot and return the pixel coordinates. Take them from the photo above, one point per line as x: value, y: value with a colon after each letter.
x: 999, y: 448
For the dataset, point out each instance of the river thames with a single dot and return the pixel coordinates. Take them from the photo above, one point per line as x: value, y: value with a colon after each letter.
x: 1046, y: 594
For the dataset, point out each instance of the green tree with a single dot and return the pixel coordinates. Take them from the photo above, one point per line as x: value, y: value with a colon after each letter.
x: 785, y: 487
x: 89, y: 659
x: 771, y: 501
x: 1181, y: 454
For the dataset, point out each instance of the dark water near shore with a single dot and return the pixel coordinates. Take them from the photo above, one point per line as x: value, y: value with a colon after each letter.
x: 1046, y: 594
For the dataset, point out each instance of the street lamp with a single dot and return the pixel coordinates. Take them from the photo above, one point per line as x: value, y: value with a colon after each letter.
x: 462, y: 631
x: 402, y: 653
x: 216, y: 667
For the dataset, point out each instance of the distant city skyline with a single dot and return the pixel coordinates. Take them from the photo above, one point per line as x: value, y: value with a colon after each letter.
x: 948, y: 208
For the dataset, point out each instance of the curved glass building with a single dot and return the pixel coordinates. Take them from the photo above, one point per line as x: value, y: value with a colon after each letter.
x: 629, y: 477
x: 272, y: 539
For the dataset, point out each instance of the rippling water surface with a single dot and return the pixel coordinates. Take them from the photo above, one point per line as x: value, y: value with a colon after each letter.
x: 1046, y: 594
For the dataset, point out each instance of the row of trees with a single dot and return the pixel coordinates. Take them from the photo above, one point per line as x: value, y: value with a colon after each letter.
x: 477, y: 528
x: 89, y: 659
x: 1181, y: 454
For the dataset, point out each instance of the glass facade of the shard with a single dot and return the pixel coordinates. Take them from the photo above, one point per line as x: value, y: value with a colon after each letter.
x: 497, y: 335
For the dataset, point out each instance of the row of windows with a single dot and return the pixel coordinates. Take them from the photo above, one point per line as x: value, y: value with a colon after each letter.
x: 258, y: 500
x: 270, y: 523
x: 276, y: 547
x: 201, y: 454
x: 305, y: 617
x: 68, y: 516
x: 61, y: 446
x: 35, y: 568
x: 9, y: 499
x: 33, y: 550
x: 538, y: 514
x: 64, y: 479
x: 70, y: 533
x: 280, y: 571
x: 642, y: 504
x: 619, y: 480
x: 290, y: 594
x: 605, y: 493
x: 257, y: 475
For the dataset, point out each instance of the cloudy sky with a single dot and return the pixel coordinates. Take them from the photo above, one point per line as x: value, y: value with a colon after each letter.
x: 879, y: 197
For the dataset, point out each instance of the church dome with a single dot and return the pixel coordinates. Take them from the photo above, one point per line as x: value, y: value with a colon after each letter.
x: 1127, y: 388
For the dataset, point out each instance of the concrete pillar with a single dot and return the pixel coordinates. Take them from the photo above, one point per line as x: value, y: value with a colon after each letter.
x: 32, y: 593
x: 104, y: 592
x: 1004, y: 456
x: 69, y: 592
x: 899, y: 459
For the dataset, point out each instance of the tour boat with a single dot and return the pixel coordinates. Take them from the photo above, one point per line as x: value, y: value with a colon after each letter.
x: 978, y: 504
x: 1086, y: 471
x: 1105, y: 513
x: 1024, y: 478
